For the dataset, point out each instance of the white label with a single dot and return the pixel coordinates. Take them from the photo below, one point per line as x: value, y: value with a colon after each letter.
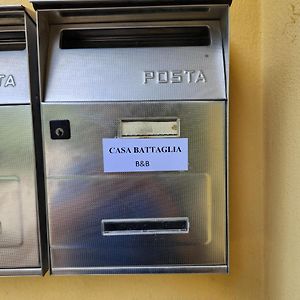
x: 145, y: 155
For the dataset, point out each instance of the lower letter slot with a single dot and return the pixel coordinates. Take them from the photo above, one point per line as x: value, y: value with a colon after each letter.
x: 145, y: 226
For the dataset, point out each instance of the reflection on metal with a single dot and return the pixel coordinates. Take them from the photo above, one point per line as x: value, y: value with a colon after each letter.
x: 20, y: 236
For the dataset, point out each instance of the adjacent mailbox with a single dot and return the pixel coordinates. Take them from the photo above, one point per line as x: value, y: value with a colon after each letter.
x: 135, y: 110
x: 20, y: 237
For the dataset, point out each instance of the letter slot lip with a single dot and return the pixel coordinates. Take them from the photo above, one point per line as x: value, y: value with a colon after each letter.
x: 145, y: 226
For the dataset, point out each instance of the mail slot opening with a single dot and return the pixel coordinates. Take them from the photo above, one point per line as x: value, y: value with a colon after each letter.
x: 145, y: 226
x: 135, y: 37
x: 12, y: 40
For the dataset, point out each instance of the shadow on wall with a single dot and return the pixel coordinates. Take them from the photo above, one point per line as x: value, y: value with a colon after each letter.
x: 246, y: 171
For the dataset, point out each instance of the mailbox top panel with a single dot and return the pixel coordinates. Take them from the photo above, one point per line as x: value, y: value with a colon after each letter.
x: 14, y: 70
x: 133, y: 53
x: 133, y: 62
x: 102, y: 3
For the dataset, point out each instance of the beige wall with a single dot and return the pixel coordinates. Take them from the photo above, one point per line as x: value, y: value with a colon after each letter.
x: 281, y: 66
x: 264, y: 153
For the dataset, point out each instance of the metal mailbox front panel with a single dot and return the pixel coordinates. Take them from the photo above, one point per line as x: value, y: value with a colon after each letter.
x: 81, y: 195
x: 19, y: 246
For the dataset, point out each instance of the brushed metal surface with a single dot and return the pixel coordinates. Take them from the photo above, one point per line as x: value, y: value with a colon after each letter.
x: 132, y: 14
x: 10, y: 213
x: 97, y: 88
x: 14, y: 63
x: 142, y: 270
x: 80, y: 194
x: 20, y: 221
x: 117, y: 74
x: 19, y: 246
x: 20, y: 272
x: 31, y: 35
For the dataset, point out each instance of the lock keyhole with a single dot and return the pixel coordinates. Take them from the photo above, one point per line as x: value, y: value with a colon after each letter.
x: 59, y: 132
x: 60, y: 129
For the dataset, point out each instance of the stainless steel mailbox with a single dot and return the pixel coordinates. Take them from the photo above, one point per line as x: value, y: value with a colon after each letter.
x: 21, y: 215
x: 135, y: 112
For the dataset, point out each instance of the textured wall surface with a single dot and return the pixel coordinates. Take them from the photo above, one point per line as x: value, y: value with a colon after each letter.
x: 281, y: 74
x: 264, y: 188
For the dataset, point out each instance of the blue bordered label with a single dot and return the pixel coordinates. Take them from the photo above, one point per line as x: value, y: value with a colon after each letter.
x: 145, y: 155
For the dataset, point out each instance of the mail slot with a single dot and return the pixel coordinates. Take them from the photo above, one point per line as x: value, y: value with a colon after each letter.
x: 22, y: 222
x: 134, y: 98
